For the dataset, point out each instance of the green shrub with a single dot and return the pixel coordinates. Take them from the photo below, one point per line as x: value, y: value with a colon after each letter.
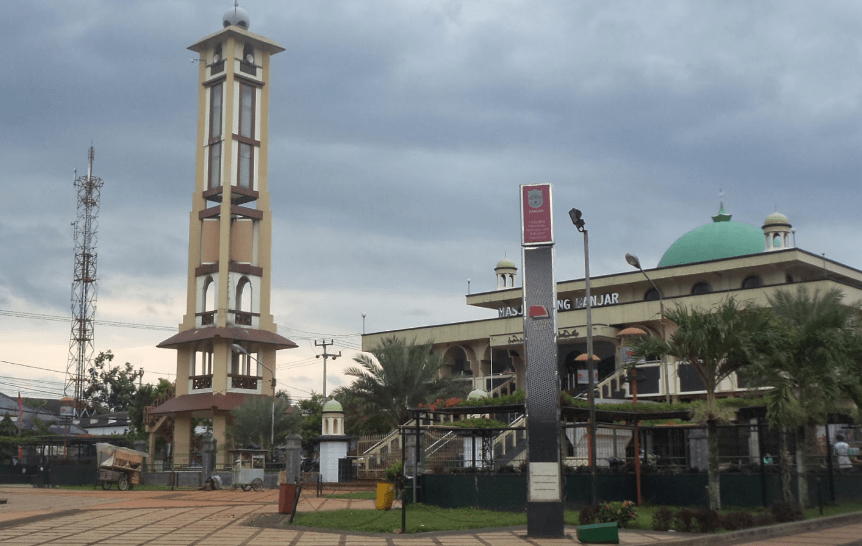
x: 620, y: 512
x: 662, y: 520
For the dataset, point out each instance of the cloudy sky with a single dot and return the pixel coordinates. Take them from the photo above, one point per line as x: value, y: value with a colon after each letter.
x: 400, y: 132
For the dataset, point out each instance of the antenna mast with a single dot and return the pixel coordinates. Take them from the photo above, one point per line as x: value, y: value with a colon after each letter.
x: 83, y: 283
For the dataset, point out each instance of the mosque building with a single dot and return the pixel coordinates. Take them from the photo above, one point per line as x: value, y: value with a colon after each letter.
x: 700, y: 269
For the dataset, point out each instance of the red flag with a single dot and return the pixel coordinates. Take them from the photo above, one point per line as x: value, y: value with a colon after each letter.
x: 20, y: 413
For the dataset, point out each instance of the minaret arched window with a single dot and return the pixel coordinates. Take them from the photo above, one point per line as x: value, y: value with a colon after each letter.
x: 208, y: 299
x: 243, y: 302
x: 246, y: 64
x: 217, y: 65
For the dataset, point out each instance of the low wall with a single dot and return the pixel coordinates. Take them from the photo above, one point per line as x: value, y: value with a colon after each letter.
x: 194, y: 478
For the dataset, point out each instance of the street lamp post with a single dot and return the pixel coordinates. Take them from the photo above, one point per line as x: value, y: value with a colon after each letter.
x: 634, y: 262
x: 239, y: 349
x: 579, y: 223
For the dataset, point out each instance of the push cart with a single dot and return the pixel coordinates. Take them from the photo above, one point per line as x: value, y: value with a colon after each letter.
x: 119, y: 465
x: 248, y: 468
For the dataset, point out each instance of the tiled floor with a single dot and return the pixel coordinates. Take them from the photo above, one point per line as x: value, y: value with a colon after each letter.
x: 217, y: 518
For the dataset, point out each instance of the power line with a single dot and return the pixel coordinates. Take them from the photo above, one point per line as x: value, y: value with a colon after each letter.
x: 29, y: 366
x: 60, y: 318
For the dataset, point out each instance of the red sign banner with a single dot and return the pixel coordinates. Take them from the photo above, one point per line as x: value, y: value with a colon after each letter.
x: 536, y: 217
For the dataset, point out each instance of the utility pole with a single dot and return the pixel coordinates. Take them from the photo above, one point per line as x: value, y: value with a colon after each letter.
x: 326, y: 355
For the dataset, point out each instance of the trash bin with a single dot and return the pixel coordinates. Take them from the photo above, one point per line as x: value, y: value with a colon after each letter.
x: 385, y: 495
x: 286, y: 497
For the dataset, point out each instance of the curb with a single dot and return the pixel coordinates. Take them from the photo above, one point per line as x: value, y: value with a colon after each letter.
x: 771, y: 531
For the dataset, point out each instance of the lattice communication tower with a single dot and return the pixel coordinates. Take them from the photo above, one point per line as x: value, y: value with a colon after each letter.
x: 84, y: 283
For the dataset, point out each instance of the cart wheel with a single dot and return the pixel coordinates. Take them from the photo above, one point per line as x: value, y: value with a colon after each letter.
x: 246, y: 487
x: 234, y: 486
x: 257, y: 484
x: 122, y: 483
x: 106, y: 485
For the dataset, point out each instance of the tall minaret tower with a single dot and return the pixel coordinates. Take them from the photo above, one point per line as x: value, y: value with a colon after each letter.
x: 227, y: 340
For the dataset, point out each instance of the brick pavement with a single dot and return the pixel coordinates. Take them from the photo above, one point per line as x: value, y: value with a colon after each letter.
x: 220, y: 518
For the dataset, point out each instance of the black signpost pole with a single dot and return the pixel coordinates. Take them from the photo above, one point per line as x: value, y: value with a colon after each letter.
x: 545, y: 508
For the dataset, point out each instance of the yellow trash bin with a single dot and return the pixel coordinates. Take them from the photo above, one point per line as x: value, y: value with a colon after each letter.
x: 385, y: 495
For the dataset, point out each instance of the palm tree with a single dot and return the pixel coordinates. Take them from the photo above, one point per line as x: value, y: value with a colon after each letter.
x: 716, y: 343
x: 809, y: 360
x: 395, y: 376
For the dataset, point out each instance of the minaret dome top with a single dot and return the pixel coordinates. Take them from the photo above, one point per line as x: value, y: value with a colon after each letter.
x: 236, y: 16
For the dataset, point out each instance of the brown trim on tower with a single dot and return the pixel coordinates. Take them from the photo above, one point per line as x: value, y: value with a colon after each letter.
x: 247, y: 212
x: 245, y: 269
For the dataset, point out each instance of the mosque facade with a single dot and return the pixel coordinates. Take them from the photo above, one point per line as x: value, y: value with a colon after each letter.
x: 700, y: 269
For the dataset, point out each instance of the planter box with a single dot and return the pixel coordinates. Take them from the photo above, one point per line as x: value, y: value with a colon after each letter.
x: 599, y: 533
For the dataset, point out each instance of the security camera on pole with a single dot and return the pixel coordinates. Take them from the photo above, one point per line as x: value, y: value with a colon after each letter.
x: 545, y: 509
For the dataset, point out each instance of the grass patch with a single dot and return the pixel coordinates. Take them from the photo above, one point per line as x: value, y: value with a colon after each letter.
x: 833, y: 510
x: 365, y: 495
x: 420, y: 519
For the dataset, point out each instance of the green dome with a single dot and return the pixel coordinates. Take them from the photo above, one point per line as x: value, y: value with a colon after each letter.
x: 332, y: 406
x: 506, y: 263
x: 720, y: 239
x: 776, y: 219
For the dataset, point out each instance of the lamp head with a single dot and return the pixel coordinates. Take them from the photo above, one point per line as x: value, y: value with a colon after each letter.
x: 575, y: 215
x: 633, y: 261
x: 238, y: 349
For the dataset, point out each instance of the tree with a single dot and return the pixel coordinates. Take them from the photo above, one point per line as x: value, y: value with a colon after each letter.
x: 145, y: 396
x: 110, y: 388
x: 311, y: 410
x: 716, y: 343
x: 810, y: 360
x: 259, y: 418
x: 360, y: 416
x: 395, y: 376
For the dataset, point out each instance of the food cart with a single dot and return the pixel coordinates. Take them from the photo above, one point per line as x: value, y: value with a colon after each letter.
x: 119, y: 465
x: 248, y: 468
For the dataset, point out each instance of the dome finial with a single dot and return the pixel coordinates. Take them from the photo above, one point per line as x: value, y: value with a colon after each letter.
x: 236, y: 16
x: 721, y: 216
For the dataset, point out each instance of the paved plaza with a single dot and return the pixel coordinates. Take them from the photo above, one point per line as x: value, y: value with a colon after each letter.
x: 227, y: 518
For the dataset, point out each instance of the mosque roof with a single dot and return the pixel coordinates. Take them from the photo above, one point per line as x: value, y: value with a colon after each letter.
x: 723, y: 238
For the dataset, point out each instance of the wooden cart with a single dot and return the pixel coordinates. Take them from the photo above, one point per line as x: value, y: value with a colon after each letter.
x: 248, y: 468
x: 119, y: 465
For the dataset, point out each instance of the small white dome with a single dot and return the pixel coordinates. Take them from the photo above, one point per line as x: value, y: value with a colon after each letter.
x: 236, y: 16
x: 478, y: 393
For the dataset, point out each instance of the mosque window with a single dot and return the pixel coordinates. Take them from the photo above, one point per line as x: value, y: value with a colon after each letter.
x: 214, y: 179
x: 246, y: 110
x: 701, y: 288
x: 245, y: 166
x: 776, y: 241
x: 215, y: 122
x: 652, y: 295
x: 752, y: 281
